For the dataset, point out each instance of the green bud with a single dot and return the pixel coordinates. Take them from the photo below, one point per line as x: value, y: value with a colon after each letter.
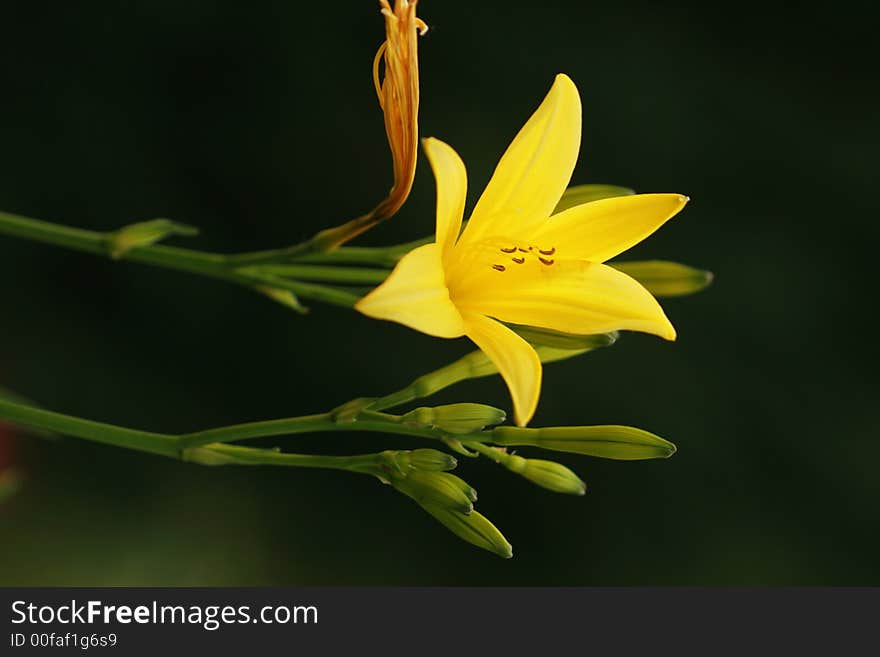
x: 666, y: 279
x: 610, y: 441
x: 456, y: 418
x: 565, y: 341
x: 431, y: 460
x: 438, y: 489
x: 145, y: 233
x: 547, y: 474
x: 580, y: 194
x: 474, y: 528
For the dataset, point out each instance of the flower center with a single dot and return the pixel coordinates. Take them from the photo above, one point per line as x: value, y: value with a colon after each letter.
x: 518, y: 255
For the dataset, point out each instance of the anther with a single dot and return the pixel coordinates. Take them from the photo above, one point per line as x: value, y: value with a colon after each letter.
x: 510, y: 250
x: 522, y: 250
x: 551, y: 251
x: 546, y: 261
x: 498, y: 267
x: 518, y: 261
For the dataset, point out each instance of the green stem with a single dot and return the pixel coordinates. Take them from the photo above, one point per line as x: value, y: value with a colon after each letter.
x: 176, y: 446
x: 351, y: 275
x: 366, y: 421
x: 220, y: 454
x: 108, y: 434
x: 213, y: 265
x: 353, y: 255
x: 471, y: 366
x: 207, y: 447
x: 286, y: 426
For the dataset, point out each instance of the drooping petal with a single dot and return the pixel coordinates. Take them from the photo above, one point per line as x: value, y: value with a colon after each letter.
x: 415, y: 295
x: 451, y: 178
x: 516, y: 360
x: 572, y: 296
x: 602, y: 229
x: 534, y: 171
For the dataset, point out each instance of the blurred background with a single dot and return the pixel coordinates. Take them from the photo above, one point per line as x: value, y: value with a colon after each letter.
x: 257, y: 122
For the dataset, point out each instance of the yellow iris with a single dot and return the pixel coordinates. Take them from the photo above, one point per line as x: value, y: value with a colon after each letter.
x: 516, y: 263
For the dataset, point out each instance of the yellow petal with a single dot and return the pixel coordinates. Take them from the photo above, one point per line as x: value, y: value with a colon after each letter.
x: 451, y: 178
x: 602, y: 229
x: 516, y: 360
x: 534, y: 172
x: 415, y: 295
x: 570, y: 296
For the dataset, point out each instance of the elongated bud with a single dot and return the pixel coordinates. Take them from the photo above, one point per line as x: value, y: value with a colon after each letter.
x: 580, y: 194
x: 456, y: 418
x: 666, y: 279
x: 547, y: 474
x: 437, y: 489
x: 145, y: 233
x: 474, y: 528
x: 609, y: 441
x: 565, y: 341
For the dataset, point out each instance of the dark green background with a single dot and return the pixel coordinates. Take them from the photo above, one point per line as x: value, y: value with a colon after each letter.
x: 257, y: 122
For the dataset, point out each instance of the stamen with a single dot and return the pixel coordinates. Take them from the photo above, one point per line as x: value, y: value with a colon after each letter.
x: 551, y: 251
x: 522, y: 250
x: 422, y: 25
x: 498, y: 267
x: 518, y: 261
x: 546, y: 261
x: 510, y: 250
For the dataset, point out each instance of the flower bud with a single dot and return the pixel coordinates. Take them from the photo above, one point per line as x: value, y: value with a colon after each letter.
x: 145, y: 233
x: 456, y: 418
x: 437, y: 489
x: 474, y: 528
x: 547, y: 474
x: 431, y: 460
x: 565, y: 341
x: 610, y: 442
x: 666, y: 279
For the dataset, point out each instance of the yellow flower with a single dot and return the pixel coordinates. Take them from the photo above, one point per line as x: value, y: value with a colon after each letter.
x: 515, y: 263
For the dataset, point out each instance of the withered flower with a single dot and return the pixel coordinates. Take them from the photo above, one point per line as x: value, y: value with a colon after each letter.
x: 398, y: 92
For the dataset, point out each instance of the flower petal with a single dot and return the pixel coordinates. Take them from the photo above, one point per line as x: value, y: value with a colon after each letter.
x: 451, y: 178
x: 572, y: 296
x: 602, y: 229
x: 516, y: 360
x: 415, y: 295
x: 534, y: 172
